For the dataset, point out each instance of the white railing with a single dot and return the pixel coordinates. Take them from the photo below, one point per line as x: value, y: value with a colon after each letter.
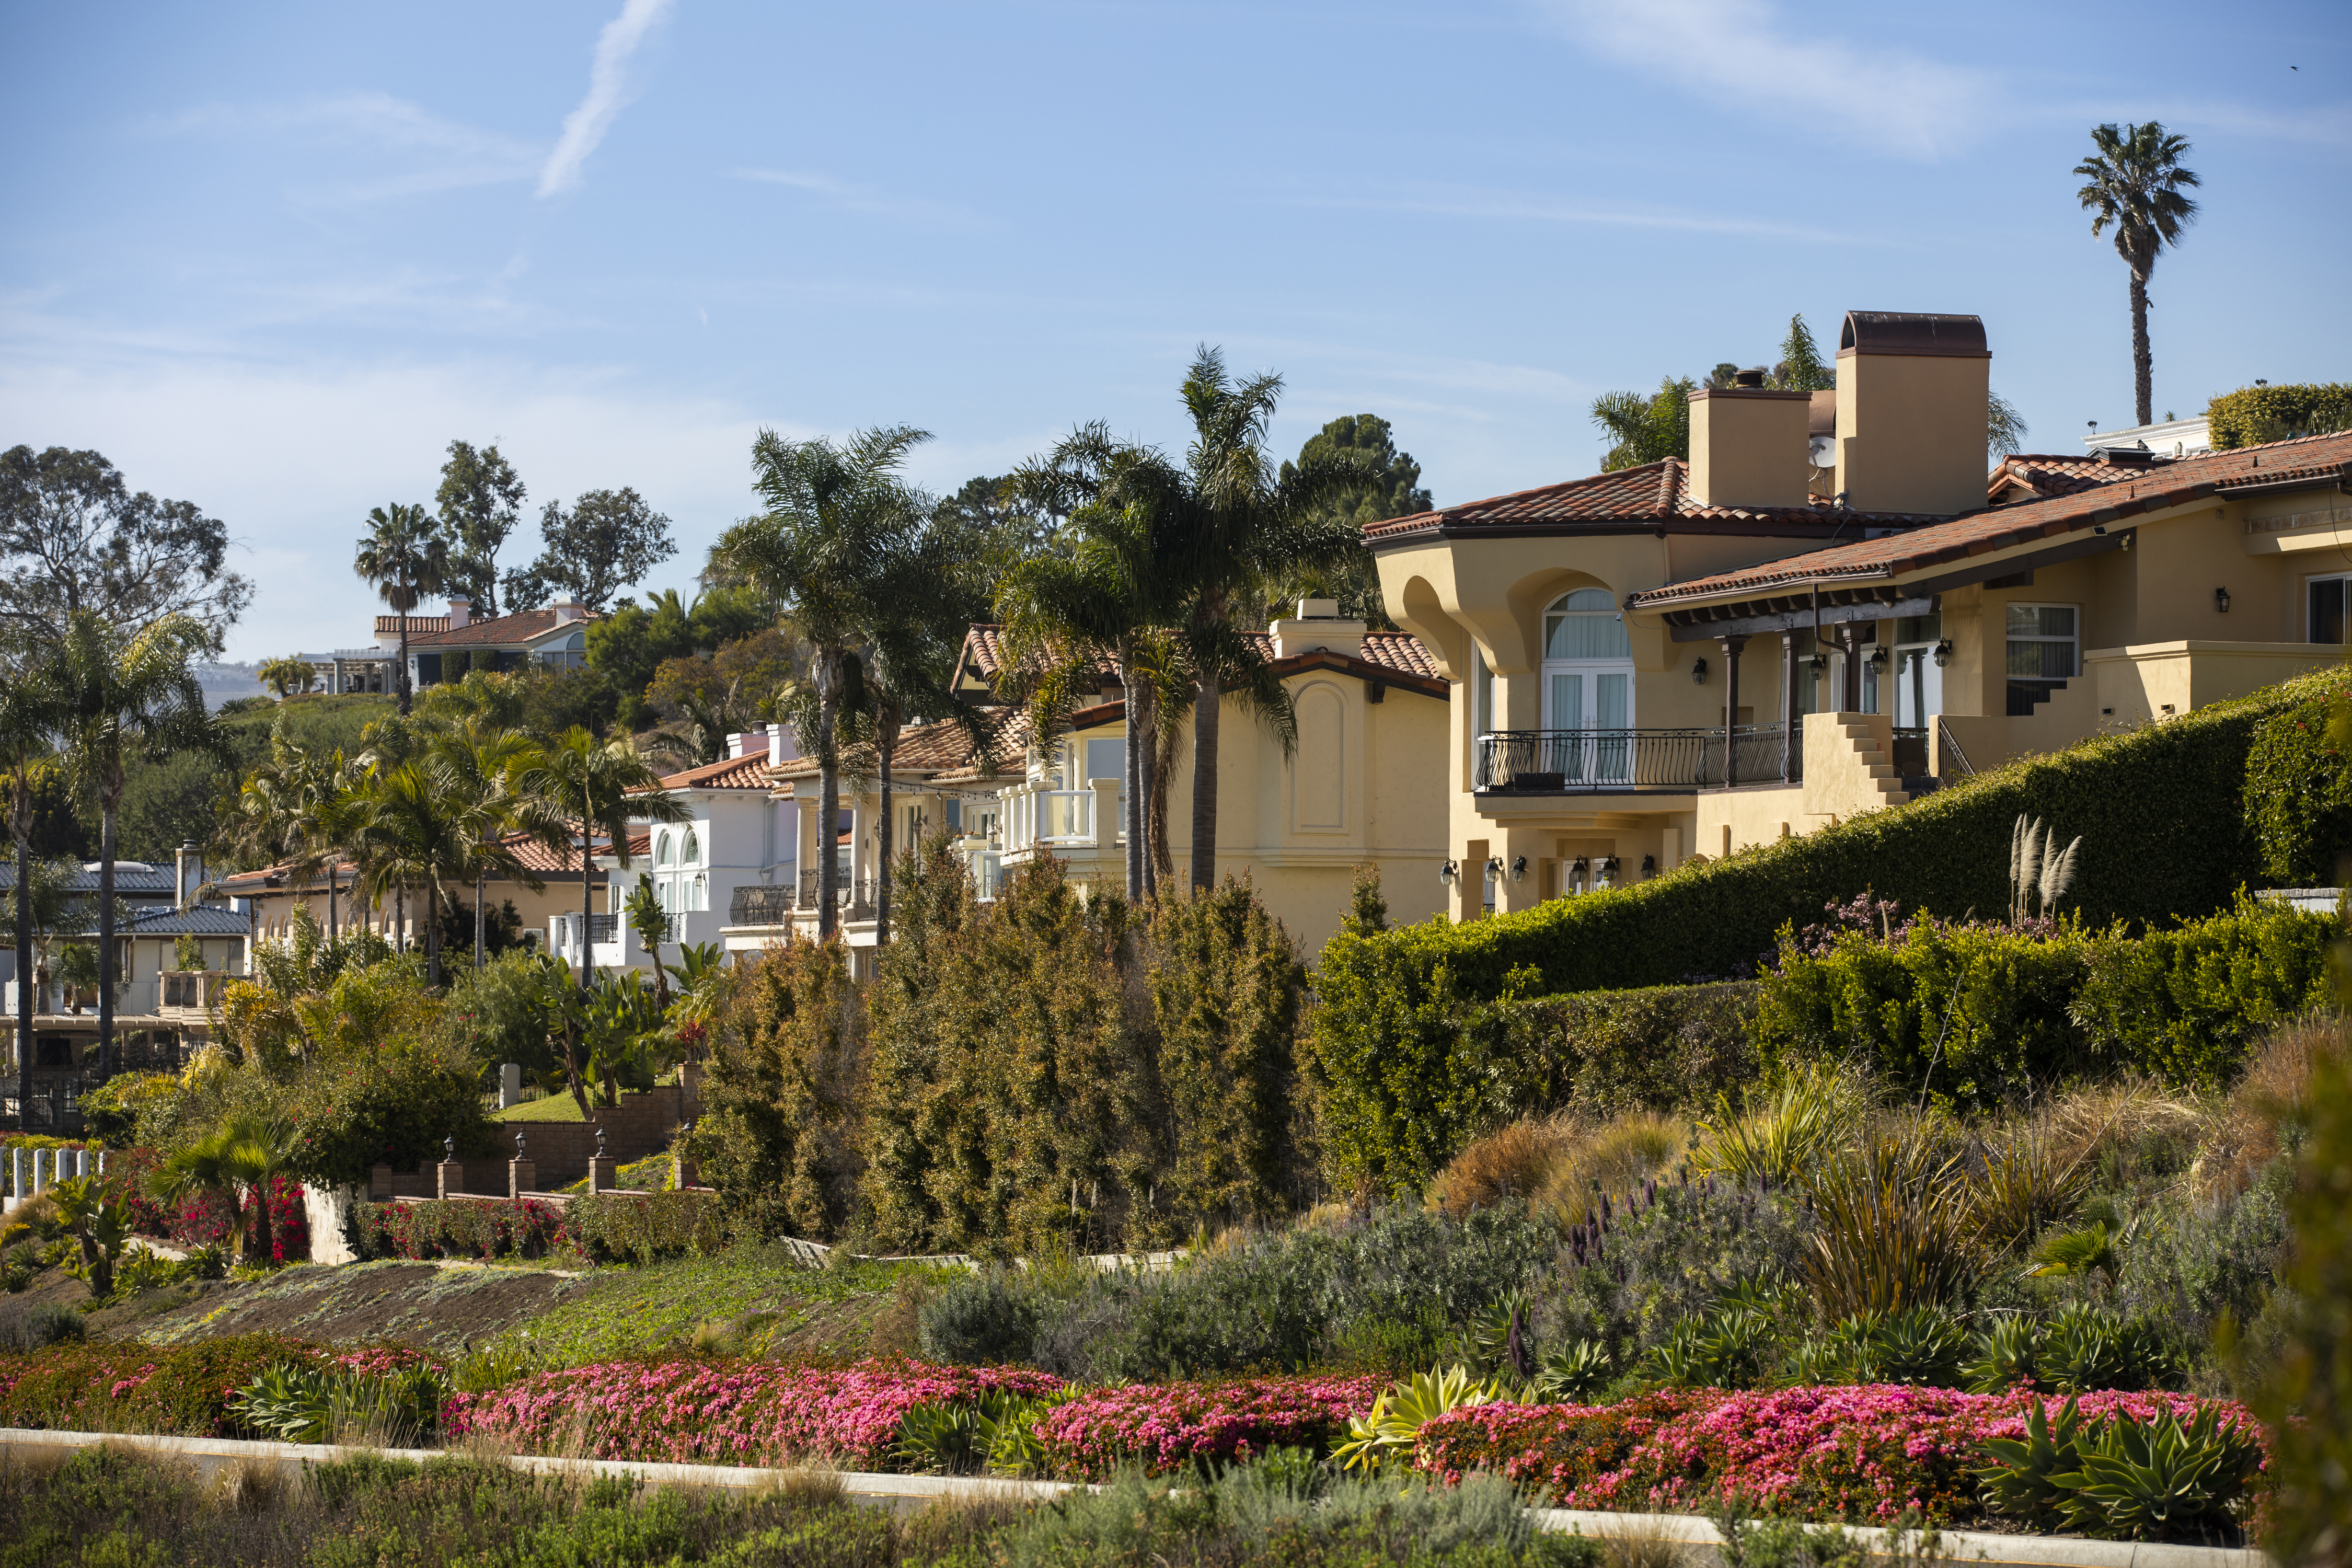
x: 1040, y: 816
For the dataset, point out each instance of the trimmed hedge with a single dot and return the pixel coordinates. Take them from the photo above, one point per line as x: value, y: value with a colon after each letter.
x: 457, y: 1228
x: 2299, y: 789
x: 2253, y: 415
x: 610, y: 1228
x: 1394, y: 1026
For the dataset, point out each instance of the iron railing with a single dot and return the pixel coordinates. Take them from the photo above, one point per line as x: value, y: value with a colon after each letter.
x: 1620, y: 762
x: 851, y: 894
x: 757, y: 904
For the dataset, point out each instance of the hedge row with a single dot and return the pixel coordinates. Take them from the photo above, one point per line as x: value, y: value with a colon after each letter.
x: 603, y: 1227
x: 1396, y: 1008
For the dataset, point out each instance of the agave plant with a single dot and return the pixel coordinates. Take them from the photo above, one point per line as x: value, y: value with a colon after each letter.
x: 2022, y: 1481
x: 2147, y: 1480
x: 1393, y: 1426
x: 1577, y: 1371
x: 1729, y: 1348
x: 2003, y: 1359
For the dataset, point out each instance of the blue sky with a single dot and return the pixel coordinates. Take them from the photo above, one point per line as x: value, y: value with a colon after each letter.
x: 272, y: 258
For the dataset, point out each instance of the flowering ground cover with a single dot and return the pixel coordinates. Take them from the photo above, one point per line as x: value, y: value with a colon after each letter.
x: 1868, y: 1452
x: 176, y: 1390
x: 691, y: 1411
x: 1164, y: 1426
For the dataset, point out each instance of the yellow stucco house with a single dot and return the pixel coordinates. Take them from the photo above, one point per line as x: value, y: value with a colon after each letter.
x: 1363, y: 785
x: 1635, y: 656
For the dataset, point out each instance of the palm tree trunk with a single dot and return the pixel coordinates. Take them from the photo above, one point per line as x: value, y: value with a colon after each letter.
x: 1134, y: 770
x: 107, y: 808
x: 886, y: 741
x: 828, y: 796
x: 404, y: 662
x: 400, y: 917
x: 432, y: 935
x: 24, y: 981
x: 587, y: 953
x: 2143, y: 362
x: 1205, y: 703
x: 332, y: 879
x: 478, y: 881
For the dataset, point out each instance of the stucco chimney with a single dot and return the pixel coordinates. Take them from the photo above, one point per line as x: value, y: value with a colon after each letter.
x: 567, y: 610
x: 461, y: 611
x: 1911, y: 396
x: 1320, y: 625
x: 187, y: 872
x: 780, y: 746
x: 1748, y: 447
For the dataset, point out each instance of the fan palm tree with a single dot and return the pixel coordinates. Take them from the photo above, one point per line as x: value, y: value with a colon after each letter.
x: 420, y: 833
x: 2134, y: 181
x: 288, y: 677
x: 596, y: 786
x: 238, y: 1160
x: 122, y: 694
x: 403, y: 558
x: 31, y: 711
x: 837, y: 525
x: 480, y: 769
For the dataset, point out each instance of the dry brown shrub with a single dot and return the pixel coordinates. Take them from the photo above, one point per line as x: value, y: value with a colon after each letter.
x: 1619, y: 1153
x: 2115, y: 1115
x: 1514, y: 1163
x: 2253, y: 1124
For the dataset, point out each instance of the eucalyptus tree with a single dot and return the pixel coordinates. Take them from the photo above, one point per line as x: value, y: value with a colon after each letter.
x: 74, y: 536
x: 122, y: 694
x: 2132, y: 183
x: 595, y: 787
x: 838, y: 526
x: 32, y: 710
x: 404, y: 557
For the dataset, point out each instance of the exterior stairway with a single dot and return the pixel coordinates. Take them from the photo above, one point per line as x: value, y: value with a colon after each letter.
x: 1872, y: 759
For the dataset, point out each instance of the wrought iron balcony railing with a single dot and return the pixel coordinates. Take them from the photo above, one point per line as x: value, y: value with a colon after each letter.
x: 1629, y: 762
x: 757, y: 905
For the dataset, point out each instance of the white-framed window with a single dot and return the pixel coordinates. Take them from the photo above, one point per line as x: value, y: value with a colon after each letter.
x: 693, y: 850
x: 1918, y: 680
x: 1588, y: 685
x: 2044, y: 642
x: 663, y: 849
x: 2325, y: 599
x: 701, y: 892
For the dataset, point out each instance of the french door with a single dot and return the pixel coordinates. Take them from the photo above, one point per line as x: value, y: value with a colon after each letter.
x: 1589, y: 719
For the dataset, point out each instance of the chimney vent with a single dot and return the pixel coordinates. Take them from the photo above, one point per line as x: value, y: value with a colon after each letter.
x: 567, y: 610
x: 1748, y: 380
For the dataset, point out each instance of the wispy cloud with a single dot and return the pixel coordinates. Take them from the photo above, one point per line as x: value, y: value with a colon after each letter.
x: 1883, y: 97
x: 444, y: 154
x: 608, y: 91
x: 858, y: 198
x: 1471, y: 201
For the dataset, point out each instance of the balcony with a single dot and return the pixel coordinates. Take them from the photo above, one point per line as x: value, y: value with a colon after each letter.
x: 1634, y: 762
x: 850, y: 893
x: 191, y: 990
x: 754, y: 904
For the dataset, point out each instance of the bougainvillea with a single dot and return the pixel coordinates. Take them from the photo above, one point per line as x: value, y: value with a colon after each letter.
x: 710, y: 1413
x: 1162, y: 1426
x: 1868, y: 1452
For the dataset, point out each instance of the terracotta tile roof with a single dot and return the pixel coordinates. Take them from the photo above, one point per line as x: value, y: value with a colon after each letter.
x: 942, y: 746
x: 418, y: 626
x: 522, y: 627
x: 1653, y: 495
x: 534, y: 856
x: 2309, y: 459
x: 749, y: 771
x: 984, y: 652
x: 2045, y: 475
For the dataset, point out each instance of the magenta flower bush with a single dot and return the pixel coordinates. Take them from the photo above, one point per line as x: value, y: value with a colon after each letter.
x: 1162, y: 1426
x: 707, y: 1413
x: 1866, y: 1452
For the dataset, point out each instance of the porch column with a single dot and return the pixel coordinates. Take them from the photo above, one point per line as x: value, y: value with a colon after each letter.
x: 1792, y: 743
x: 1849, y: 639
x: 1730, y: 647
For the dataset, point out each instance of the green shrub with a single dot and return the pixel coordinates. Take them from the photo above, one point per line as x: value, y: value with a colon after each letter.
x: 986, y: 1318
x: 2299, y: 789
x: 1972, y: 1013
x: 2255, y: 414
x: 457, y: 1228
x: 179, y: 1390
x: 50, y: 1323
x: 1395, y: 1005
x: 2183, y: 1002
x: 611, y: 1228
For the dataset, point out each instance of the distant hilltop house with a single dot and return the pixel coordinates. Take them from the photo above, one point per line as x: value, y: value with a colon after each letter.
x: 446, y: 646
x: 1832, y: 607
x: 2191, y: 438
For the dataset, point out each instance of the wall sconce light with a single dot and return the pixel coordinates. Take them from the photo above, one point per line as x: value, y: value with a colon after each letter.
x: 1876, y: 657
x: 1494, y: 868
x: 2221, y: 600
x: 1518, y: 868
x: 1943, y: 652
x: 1577, y: 872
x: 1816, y: 662
x: 1649, y: 865
x: 1698, y: 672
x: 1448, y: 873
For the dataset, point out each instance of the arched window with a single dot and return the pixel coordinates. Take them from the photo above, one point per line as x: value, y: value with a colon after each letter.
x: 662, y: 847
x: 693, y: 850
x: 1585, y: 624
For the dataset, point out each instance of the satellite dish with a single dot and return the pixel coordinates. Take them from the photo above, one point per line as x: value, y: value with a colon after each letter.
x: 1824, y: 451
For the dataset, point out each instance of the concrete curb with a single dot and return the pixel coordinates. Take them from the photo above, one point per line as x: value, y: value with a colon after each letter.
x: 211, y: 1454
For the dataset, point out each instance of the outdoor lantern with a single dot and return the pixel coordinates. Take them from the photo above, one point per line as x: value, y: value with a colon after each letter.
x: 1494, y: 868
x: 1518, y: 868
x: 1649, y: 865
x: 1877, y: 657
x: 1699, y: 671
x: 1448, y: 872
x: 1943, y: 652
x: 2221, y: 600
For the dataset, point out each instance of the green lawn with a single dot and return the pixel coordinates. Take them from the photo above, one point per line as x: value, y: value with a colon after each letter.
x: 553, y: 1108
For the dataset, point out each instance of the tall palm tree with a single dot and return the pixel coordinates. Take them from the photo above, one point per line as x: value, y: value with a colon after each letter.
x: 404, y: 557
x: 596, y: 786
x: 122, y: 694
x: 838, y: 523
x: 2134, y: 181
x: 296, y: 808
x: 31, y: 711
x: 420, y: 833
x: 480, y: 769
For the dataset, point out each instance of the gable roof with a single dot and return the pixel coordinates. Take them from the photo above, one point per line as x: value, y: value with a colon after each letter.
x: 984, y: 655
x: 747, y: 772
x: 2041, y: 475
x: 520, y: 629
x: 1653, y: 497
x: 2305, y: 462
x: 942, y: 746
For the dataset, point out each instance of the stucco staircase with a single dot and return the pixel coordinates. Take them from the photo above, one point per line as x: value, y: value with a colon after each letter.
x: 1872, y: 759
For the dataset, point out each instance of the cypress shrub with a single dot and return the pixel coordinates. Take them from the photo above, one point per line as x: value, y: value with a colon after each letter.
x: 779, y: 1132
